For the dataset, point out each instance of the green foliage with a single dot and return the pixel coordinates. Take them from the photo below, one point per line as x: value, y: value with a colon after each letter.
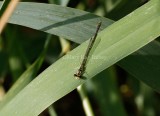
x: 117, y: 40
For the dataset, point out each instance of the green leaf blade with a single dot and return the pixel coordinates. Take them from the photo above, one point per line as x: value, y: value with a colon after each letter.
x: 57, y: 20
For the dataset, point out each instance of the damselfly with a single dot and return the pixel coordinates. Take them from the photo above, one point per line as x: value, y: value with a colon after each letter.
x: 82, y: 68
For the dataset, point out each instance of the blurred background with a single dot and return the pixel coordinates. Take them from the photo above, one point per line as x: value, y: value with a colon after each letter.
x: 114, y: 92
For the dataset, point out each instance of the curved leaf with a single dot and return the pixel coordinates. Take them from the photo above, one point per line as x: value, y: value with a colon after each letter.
x: 58, y: 20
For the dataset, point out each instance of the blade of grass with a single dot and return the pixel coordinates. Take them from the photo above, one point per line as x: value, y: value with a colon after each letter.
x: 118, y: 41
x: 52, y: 111
x: 26, y: 77
x: 57, y: 19
x: 85, y: 100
